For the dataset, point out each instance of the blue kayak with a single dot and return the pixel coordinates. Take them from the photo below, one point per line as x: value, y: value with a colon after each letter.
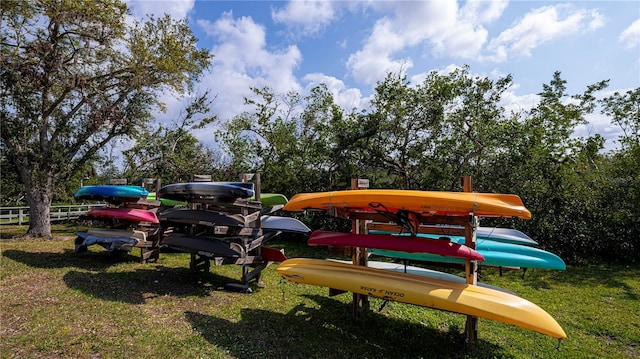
x: 110, y: 192
x: 498, y: 254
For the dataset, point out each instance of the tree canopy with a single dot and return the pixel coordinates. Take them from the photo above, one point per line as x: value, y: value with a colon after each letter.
x: 173, y: 154
x: 74, y: 76
x: 426, y: 136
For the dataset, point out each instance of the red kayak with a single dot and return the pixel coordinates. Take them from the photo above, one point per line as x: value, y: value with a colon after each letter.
x: 442, y: 247
x: 129, y: 214
x: 272, y: 255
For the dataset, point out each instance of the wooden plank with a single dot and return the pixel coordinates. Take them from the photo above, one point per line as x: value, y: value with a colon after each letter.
x: 249, y: 260
x: 118, y: 181
x: 249, y: 219
x: 237, y: 231
x: 257, y: 242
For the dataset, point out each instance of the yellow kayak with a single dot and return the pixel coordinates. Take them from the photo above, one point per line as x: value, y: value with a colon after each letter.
x: 422, y: 202
x: 423, y: 291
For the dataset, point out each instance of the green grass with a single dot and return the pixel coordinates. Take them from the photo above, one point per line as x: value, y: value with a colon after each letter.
x: 56, y: 303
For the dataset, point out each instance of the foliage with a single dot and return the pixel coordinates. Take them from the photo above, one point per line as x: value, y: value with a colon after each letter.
x: 173, y: 154
x: 427, y: 136
x: 11, y: 192
x: 75, y: 77
x: 295, y: 151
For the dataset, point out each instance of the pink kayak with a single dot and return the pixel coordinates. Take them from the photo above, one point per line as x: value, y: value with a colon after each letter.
x: 442, y: 247
x: 129, y: 214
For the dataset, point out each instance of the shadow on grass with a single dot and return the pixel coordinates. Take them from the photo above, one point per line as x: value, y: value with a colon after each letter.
x: 137, y: 286
x: 330, y: 332
x: 295, y: 246
x: 69, y: 259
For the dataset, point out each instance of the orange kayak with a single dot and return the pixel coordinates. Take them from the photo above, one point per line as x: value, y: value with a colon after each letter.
x: 421, y: 202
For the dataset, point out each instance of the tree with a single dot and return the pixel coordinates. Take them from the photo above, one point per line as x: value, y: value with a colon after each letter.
x: 620, y: 194
x: 426, y: 136
x: 297, y: 143
x: 173, y: 154
x: 10, y: 188
x: 74, y: 76
x: 624, y: 110
x: 552, y: 170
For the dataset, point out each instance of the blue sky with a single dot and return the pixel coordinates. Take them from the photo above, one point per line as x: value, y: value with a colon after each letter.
x: 350, y: 45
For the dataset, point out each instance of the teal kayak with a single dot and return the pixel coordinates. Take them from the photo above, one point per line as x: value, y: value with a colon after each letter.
x: 497, y: 254
x: 110, y: 192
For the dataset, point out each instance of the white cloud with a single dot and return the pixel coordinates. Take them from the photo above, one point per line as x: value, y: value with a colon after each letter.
x: 462, y: 41
x: 540, y: 26
x: 482, y: 11
x: 418, y: 79
x: 305, y: 17
x: 178, y: 9
x: 511, y: 102
x: 450, y: 30
x: 346, y: 98
x: 242, y: 60
x: 630, y: 37
x: 600, y: 124
x: 374, y: 60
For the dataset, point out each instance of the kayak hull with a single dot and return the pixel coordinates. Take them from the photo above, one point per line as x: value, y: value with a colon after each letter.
x: 427, y: 292
x: 127, y: 214
x: 422, y: 202
x: 409, y: 244
x: 111, y: 194
x: 193, y: 191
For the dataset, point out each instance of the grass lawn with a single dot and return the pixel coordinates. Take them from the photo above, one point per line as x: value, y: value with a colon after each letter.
x: 56, y: 303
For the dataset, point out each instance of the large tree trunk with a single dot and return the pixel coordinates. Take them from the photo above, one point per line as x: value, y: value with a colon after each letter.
x: 39, y: 200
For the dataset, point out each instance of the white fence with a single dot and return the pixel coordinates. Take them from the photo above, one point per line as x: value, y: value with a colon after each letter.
x: 20, y: 215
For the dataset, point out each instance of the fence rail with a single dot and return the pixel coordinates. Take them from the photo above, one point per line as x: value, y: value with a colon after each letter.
x: 20, y: 215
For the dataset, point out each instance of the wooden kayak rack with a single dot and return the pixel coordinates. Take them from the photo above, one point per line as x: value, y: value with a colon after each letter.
x: 432, y: 224
x: 247, y: 239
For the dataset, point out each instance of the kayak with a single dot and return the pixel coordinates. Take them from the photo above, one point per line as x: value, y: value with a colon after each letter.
x: 425, y: 272
x: 129, y: 214
x: 201, y: 216
x: 111, y: 194
x: 111, y: 244
x: 271, y: 199
x: 423, y: 291
x: 425, y: 203
x: 284, y: 224
x: 194, y: 191
x: 409, y: 244
x: 166, y: 201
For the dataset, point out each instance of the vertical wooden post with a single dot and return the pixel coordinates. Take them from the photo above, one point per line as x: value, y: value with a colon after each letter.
x: 198, y: 262
x: 471, y: 266
x: 359, y: 255
x: 257, y: 224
